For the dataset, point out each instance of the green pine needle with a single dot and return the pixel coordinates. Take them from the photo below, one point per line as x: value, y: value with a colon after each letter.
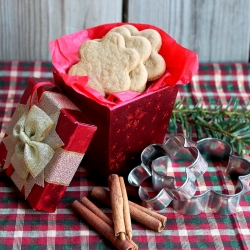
x: 231, y: 123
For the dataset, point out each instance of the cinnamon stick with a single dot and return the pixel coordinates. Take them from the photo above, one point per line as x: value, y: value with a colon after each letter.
x: 138, y: 213
x: 92, y: 207
x: 102, y: 227
x: 116, y: 200
x: 162, y: 219
x: 102, y: 195
x: 126, y: 210
x: 145, y: 218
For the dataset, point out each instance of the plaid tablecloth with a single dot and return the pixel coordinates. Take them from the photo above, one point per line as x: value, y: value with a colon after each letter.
x: 23, y: 228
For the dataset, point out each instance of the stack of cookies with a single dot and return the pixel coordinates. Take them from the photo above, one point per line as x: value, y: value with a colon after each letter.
x: 124, y: 59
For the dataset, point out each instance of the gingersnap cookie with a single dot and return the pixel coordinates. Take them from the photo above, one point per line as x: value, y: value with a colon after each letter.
x: 107, y: 62
x: 139, y: 75
x: 155, y: 64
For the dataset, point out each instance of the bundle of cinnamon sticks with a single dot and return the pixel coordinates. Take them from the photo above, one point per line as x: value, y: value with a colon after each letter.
x: 144, y: 216
x: 103, y: 224
x: 118, y: 231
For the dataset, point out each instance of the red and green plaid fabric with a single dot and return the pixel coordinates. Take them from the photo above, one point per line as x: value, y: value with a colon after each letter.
x: 23, y: 228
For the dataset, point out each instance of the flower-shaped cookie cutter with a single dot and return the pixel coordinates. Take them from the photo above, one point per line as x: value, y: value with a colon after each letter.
x: 154, y: 159
x: 237, y: 168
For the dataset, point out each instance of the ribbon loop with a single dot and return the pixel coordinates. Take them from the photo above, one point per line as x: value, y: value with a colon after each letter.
x: 36, y: 156
x: 37, y: 124
x: 18, y: 128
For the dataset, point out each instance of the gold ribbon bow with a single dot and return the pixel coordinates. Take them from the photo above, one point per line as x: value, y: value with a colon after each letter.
x: 31, y: 155
x: 34, y: 148
x: 29, y: 145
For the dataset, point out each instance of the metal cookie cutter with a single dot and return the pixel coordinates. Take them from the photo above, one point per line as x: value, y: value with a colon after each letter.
x: 212, y: 201
x: 154, y: 160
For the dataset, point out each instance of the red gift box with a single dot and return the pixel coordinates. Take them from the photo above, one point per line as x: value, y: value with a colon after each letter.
x: 127, y: 122
x: 44, y: 144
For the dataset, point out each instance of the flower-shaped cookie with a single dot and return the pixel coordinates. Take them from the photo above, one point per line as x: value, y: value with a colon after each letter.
x: 107, y: 62
x: 154, y: 164
x: 139, y: 75
x: 155, y: 64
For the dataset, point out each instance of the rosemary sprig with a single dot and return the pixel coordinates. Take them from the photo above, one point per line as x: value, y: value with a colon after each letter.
x: 230, y: 123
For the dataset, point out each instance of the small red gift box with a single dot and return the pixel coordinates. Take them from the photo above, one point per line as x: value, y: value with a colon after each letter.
x: 126, y: 122
x: 44, y: 144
